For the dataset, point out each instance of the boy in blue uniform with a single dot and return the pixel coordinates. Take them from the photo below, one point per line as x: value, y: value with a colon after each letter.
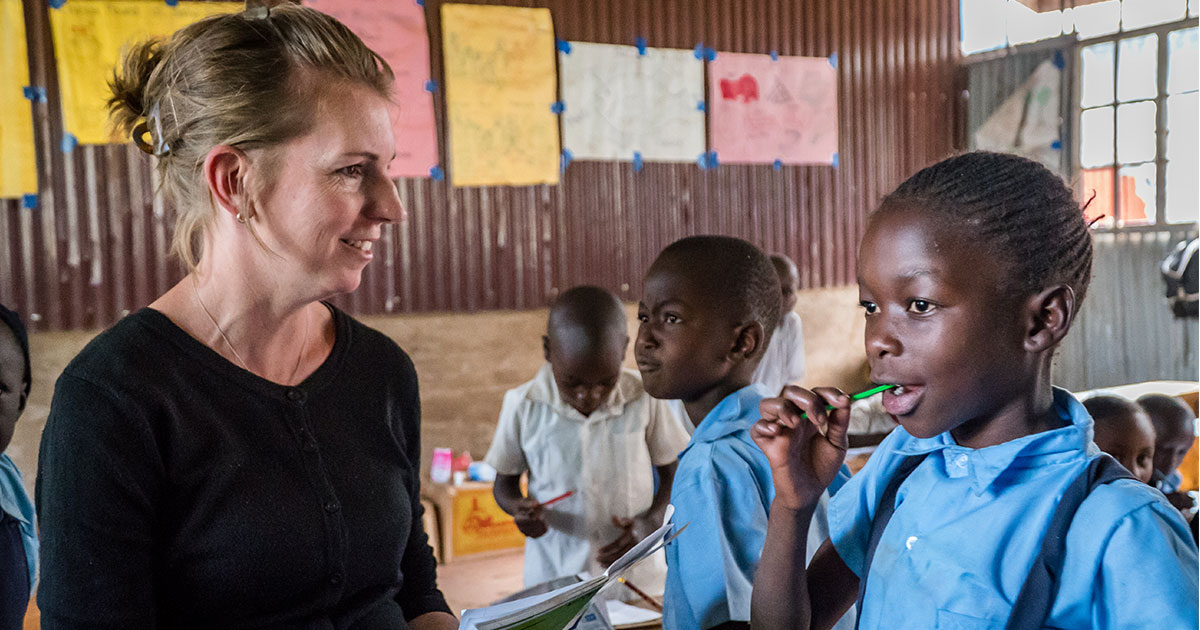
x: 707, y: 312
x: 970, y: 275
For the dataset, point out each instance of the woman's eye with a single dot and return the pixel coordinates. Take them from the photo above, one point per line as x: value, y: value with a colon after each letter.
x: 869, y: 307
x: 354, y: 170
x: 643, y: 318
x: 920, y: 306
x: 671, y: 318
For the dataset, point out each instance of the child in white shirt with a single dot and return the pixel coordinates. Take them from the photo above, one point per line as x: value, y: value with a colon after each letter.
x: 783, y: 363
x: 585, y: 425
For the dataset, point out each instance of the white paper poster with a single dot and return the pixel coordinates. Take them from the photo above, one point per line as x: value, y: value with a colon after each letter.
x: 1026, y: 123
x: 619, y: 101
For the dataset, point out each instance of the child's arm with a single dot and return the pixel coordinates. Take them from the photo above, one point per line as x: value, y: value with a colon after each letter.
x: 805, y: 455
x: 526, y: 511
x: 644, y: 524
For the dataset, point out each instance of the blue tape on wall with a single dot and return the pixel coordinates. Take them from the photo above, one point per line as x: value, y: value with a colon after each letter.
x: 437, y: 173
x: 778, y: 165
x: 640, y: 42
x: 774, y: 55
x: 57, y: 4
x: 1056, y: 145
x: 69, y: 142
x: 1059, y: 61
x: 834, y: 159
x: 420, y: 3
x: 833, y: 60
x: 704, y: 53
x: 29, y: 202
x: 558, y: 107
x: 431, y: 86
x: 172, y: 3
x: 637, y: 161
x: 563, y: 46
x: 701, y: 106
x: 35, y: 94
x: 565, y: 160
x: 707, y: 161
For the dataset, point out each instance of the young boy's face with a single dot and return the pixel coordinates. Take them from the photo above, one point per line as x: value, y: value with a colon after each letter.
x: 683, y: 343
x: 789, y: 283
x: 1130, y: 440
x: 12, y: 384
x: 585, y: 380
x: 1172, y: 440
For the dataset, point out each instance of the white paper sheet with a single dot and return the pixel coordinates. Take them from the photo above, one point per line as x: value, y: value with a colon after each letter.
x: 618, y: 102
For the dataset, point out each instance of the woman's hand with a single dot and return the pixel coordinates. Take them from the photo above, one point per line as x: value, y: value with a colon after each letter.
x: 805, y: 452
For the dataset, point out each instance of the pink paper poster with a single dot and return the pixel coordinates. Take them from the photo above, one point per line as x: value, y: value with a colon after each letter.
x: 395, y: 29
x: 762, y: 110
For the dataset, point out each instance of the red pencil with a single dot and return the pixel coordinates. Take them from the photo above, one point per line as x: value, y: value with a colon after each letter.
x: 557, y: 498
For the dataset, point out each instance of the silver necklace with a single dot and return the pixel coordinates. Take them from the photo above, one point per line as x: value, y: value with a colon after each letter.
x: 229, y: 343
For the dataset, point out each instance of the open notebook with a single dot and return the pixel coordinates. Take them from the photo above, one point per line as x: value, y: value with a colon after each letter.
x: 558, y: 608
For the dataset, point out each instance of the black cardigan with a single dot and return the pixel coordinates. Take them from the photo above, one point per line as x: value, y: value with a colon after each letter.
x: 176, y: 490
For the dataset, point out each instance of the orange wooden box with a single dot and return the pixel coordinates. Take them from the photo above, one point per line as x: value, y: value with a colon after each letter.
x: 470, y: 522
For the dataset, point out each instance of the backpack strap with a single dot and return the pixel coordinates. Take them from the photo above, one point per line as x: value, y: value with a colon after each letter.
x: 883, y: 514
x: 1036, y: 599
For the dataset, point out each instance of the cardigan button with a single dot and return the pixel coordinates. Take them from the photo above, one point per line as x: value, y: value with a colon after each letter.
x: 332, y: 507
x: 296, y: 395
x: 335, y: 579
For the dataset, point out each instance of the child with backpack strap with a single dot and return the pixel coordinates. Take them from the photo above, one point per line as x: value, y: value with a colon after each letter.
x: 990, y: 506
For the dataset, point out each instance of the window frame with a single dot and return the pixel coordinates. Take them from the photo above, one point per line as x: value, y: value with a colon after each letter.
x: 1162, y: 31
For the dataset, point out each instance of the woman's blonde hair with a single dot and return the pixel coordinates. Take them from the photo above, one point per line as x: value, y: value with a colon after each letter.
x: 230, y: 79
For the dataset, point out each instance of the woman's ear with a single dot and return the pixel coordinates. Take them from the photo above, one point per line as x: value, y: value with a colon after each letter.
x: 225, y: 170
x: 1048, y: 315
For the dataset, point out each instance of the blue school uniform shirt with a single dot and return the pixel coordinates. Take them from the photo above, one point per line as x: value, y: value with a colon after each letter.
x: 722, y: 491
x: 15, y: 502
x: 969, y: 522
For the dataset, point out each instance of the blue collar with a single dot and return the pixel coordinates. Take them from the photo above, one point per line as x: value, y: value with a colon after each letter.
x: 985, y: 465
x: 736, y: 412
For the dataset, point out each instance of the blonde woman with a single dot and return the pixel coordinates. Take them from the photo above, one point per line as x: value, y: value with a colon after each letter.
x: 241, y: 454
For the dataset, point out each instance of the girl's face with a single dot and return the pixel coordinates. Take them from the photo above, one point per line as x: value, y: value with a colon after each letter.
x: 324, y: 209
x: 12, y: 384
x: 937, y: 324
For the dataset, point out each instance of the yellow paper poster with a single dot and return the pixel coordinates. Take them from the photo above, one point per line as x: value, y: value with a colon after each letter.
x: 500, y: 88
x: 89, y: 36
x: 18, y: 166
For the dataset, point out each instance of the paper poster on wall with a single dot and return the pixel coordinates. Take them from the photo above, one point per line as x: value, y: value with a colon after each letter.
x: 395, y: 29
x: 500, y: 87
x: 765, y: 109
x: 619, y: 100
x: 88, y: 38
x: 1027, y: 122
x: 18, y: 167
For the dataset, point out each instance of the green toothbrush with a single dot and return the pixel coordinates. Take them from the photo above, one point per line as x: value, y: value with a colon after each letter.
x: 860, y: 395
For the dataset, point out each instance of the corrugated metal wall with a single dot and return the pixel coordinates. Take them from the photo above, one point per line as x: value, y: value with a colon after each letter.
x: 1125, y: 332
x: 94, y: 248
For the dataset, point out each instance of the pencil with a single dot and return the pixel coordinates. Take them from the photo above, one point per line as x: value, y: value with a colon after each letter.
x: 646, y: 598
x: 557, y: 498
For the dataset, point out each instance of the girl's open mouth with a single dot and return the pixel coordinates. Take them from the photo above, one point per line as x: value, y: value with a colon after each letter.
x: 901, y: 400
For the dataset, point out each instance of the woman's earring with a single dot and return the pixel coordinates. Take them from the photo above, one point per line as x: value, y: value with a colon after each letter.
x: 241, y: 218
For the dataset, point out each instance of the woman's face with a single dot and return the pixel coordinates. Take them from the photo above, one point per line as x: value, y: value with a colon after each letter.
x: 327, y: 196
